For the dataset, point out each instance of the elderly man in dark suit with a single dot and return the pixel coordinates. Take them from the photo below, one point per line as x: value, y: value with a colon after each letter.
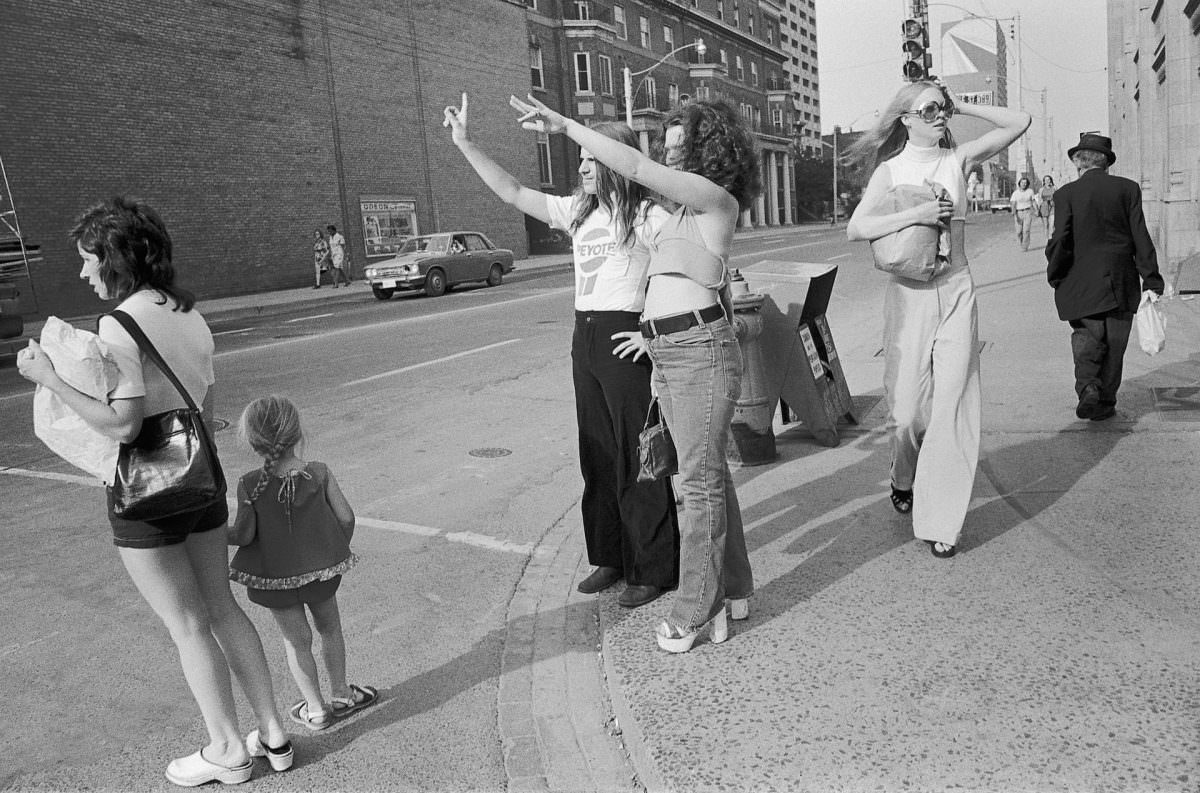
x: 1099, y: 247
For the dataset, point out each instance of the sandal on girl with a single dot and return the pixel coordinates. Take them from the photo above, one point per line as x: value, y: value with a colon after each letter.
x: 902, y: 500
x: 360, y: 697
x: 677, y: 640
x: 300, y: 714
x: 280, y: 758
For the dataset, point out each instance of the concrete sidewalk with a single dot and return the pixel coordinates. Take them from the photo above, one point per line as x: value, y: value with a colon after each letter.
x: 1056, y: 651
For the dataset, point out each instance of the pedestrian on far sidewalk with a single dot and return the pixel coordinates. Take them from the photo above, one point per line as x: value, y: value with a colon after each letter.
x: 338, y: 259
x: 1023, y: 202
x: 321, y: 258
x: 1045, y: 204
x: 629, y: 527
x: 931, y: 328
x: 1099, y: 248
x: 294, y: 527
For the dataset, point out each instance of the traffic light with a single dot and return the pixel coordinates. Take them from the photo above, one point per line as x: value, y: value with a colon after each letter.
x: 918, y: 61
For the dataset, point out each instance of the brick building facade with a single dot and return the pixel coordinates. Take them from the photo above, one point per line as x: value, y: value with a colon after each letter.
x: 249, y: 124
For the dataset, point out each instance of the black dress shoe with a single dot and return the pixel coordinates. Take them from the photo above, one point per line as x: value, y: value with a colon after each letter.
x: 635, y: 596
x: 1089, y: 401
x: 1104, y: 412
x: 600, y: 579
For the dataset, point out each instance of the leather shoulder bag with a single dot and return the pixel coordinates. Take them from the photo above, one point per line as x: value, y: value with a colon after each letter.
x: 656, y: 450
x: 171, y: 467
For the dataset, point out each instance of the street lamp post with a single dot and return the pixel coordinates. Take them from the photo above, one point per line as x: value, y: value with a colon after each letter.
x: 836, y: 130
x: 628, y: 76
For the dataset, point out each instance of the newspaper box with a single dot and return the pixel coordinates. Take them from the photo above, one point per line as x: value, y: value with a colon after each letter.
x: 802, y: 365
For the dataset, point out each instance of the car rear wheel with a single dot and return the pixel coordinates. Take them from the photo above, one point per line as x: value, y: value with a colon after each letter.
x: 435, y: 283
x: 381, y: 293
x: 495, y: 275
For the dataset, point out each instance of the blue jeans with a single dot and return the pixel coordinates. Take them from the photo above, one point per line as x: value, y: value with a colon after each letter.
x: 698, y: 379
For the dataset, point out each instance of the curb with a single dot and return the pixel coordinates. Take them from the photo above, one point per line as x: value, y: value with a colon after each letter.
x: 552, y: 702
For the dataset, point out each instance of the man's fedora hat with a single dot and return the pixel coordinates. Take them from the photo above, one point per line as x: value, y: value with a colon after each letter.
x: 1093, y: 142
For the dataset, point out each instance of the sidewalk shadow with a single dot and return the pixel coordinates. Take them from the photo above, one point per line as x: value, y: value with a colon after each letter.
x: 433, y: 688
x: 852, y: 528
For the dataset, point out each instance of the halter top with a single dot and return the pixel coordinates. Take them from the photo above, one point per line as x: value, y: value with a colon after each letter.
x: 677, y: 248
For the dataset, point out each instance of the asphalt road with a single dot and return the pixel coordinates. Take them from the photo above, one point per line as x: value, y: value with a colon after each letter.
x: 449, y: 423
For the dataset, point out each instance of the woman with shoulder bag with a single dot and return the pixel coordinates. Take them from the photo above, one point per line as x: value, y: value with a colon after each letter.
x: 178, y: 562
x: 931, y: 334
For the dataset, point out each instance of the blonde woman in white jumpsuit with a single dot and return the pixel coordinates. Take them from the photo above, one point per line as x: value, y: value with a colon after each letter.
x: 931, y: 338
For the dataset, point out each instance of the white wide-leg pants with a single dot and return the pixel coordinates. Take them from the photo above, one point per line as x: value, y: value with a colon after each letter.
x: 931, y: 378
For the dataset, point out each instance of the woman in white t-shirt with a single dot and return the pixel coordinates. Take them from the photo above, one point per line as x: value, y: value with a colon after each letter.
x: 630, y: 527
x: 931, y: 328
x: 1023, y: 202
x: 178, y: 563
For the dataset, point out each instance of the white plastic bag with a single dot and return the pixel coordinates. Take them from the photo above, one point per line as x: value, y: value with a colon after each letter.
x: 83, y: 362
x: 1151, y: 324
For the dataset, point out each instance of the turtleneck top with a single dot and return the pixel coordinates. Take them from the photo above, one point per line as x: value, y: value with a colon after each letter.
x: 915, y: 164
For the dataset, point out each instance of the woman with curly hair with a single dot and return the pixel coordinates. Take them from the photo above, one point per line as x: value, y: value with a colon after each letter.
x: 178, y: 563
x: 930, y: 328
x: 710, y: 172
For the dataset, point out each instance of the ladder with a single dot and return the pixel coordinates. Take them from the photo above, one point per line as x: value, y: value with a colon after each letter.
x: 15, y: 257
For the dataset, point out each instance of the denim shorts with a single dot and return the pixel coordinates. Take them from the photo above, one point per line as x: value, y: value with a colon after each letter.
x: 170, y: 530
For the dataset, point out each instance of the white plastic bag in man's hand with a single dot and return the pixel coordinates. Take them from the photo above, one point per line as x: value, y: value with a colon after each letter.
x: 1151, y: 324
x: 83, y: 362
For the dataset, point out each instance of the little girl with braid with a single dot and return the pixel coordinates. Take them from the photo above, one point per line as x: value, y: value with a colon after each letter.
x: 294, y: 528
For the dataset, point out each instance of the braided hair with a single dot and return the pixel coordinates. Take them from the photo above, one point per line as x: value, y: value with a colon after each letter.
x: 271, y: 427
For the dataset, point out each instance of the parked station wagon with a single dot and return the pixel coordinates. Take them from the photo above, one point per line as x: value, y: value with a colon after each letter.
x: 436, y: 262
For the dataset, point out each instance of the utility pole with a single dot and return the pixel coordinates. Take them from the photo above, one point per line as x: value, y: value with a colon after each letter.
x: 1045, y: 137
x: 836, y: 130
x: 1021, y: 148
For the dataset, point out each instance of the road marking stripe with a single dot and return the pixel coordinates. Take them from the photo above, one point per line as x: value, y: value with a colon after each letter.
x: 429, y: 363
x: 239, y: 330
x: 391, y: 323
x: 461, y: 537
x: 78, y: 479
x: 839, y: 256
x: 305, y: 319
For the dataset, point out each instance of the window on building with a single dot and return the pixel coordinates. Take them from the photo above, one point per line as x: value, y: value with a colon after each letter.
x: 753, y: 73
x: 739, y: 70
x: 644, y: 26
x: 619, y: 22
x: 583, y: 73
x: 651, y: 92
x: 537, y: 75
x: 531, y: 4
x: 770, y: 35
x: 777, y: 116
x: 387, y: 221
x: 721, y: 10
x: 672, y: 94
x: 703, y: 93
x: 757, y: 118
x: 668, y: 38
x: 545, y: 171
x: 725, y: 60
x: 750, y: 22
x: 583, y: 9
x: 737, y: 15
x: 604, y: 74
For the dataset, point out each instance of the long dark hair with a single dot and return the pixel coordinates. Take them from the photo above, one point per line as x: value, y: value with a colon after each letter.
x: 621, y: 197
x: 887, y: 138
x: 134, y: 249
x: 718, y: 145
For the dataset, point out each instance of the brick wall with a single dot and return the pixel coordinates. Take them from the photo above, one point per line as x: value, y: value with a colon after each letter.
x: 222, y: 116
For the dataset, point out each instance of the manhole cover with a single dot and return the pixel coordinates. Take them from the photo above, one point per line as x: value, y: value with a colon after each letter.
x: 490, y: 452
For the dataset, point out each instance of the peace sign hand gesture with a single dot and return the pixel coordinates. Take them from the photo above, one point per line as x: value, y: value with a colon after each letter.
x: 456, y: 119
x: 536, y: 116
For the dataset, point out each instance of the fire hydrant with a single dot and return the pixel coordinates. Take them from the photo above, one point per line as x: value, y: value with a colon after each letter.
x: 751, y: 437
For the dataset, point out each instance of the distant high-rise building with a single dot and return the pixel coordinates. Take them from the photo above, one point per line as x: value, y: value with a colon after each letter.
x: 798, y: 41
x: 974, y: 64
